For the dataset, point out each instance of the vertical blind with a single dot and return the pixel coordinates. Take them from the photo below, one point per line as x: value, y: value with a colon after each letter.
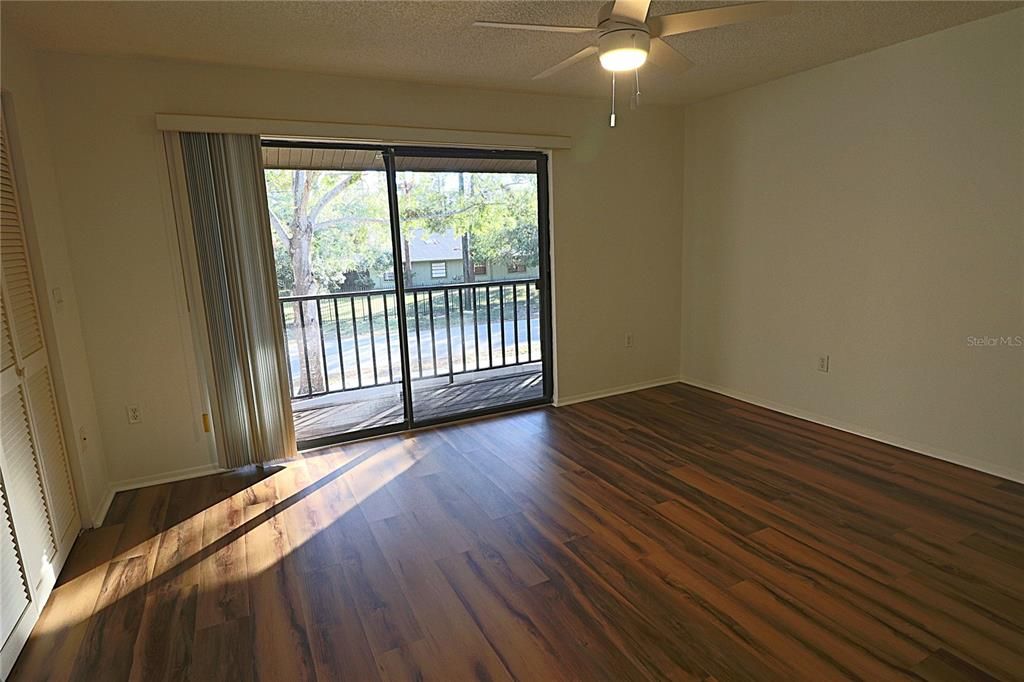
x: 234, y: 257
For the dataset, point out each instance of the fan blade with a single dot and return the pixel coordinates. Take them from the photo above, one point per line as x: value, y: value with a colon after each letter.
x: 534, y: 27
x: 667, y: 57
x: 635, y: 10
x: 579, y: 56
x: 697, y: 20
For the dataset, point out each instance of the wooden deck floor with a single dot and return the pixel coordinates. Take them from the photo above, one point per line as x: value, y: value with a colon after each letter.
x: 668, y: 534
x: 430, y: 402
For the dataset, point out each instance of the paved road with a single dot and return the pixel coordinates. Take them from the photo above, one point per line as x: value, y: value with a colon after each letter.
x: 424, y: 349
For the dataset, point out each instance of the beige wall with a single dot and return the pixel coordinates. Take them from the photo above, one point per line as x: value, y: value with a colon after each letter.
x: 45, y: 226
x: 871, y: 210
x: 616, y: 207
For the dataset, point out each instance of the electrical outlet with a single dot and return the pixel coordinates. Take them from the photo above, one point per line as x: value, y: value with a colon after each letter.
x: 823, y: 363
x: 629, y: 339
x: 134, y: 414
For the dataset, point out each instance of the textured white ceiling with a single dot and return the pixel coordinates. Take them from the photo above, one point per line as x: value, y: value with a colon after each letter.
x: 435, y: 41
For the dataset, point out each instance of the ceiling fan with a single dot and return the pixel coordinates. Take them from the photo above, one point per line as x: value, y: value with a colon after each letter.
x: 627, y: 37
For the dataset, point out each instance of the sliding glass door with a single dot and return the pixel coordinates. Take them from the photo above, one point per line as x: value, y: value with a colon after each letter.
x: 413, y: 283
x: 473, y: 270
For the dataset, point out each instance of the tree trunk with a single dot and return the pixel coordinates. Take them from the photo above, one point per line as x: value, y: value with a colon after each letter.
x: 311, y: 366
x: 302, y: 227
x: 467, y: 260
x: 407, y: 265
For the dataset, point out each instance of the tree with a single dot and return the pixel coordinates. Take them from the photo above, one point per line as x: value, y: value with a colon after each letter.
x: 303, y: 204
x: 339, y: 224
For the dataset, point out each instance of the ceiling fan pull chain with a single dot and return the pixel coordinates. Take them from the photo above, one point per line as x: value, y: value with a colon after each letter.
x: 611, y: 122
x: 634, y: 101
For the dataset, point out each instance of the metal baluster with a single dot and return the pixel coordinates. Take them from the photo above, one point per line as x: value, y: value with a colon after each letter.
x: 462, y: 326
x: 300, y: 323
x: 419, y: 350
x: 323, y: 346
x: 490, y: 344
x: 529, y: 324
x: 448, y: 336
x: 476, y: 326
x: 373, y: 340
x: 501, y: 316
x: 288, y: 345
x: 387, y: 337
x: 515, y: 318
x: 433, y: 340
x: 305, y: 347
x: 341, y: 349
x: 355, y: 341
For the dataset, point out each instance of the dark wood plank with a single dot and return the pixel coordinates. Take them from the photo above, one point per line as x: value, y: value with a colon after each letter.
x: 164, y: 643
x: 338, y: 643
x: 107, y: 648
x: 943, y: 666
x: 440, y: 612
x: 224, y: 589
x: 224, y: 652
x: 279, y: 631
x: 382, y: 606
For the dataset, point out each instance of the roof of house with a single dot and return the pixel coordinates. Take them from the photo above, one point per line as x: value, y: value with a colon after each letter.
x: 430, y: 246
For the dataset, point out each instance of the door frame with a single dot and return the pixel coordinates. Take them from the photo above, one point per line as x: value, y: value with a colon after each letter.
x: 388, y: 153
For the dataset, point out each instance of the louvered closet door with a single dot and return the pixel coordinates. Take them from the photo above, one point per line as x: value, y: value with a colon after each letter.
x: 39, y: 502
x: 13, y: 579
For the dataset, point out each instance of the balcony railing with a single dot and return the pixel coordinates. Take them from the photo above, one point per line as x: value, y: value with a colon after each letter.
x: 351, y: 341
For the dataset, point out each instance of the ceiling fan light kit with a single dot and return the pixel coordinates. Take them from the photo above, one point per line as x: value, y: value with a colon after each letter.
x: 623, y: 49
x: 628, y: 38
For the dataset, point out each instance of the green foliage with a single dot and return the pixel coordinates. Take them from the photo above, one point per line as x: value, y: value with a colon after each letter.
x: 497, y: 210
x: 339, y: 220
x: 283, y: 265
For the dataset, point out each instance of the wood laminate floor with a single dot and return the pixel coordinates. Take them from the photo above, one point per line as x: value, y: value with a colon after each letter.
x: 670, y: 534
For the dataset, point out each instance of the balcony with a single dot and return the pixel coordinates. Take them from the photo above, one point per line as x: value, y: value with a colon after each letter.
x: 472, y: 346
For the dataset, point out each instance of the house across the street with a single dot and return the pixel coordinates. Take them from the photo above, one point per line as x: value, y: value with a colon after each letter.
x: 438, y: 258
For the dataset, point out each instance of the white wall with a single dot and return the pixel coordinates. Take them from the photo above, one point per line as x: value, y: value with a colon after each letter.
x: 872, y: 210
x: 47, y: 243
x: 616, y: 205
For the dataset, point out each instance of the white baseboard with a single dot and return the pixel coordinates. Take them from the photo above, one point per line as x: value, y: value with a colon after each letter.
x: 146, y: 481
x: 944, y: 455
x: 618, y: 390
x: 919, y: 448
x: 100, y: 512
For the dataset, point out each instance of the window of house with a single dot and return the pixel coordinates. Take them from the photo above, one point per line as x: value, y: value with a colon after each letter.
x: 389, y: 276
x: 438, y: 270
x: 479, y: 268
x: 517, y: 266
